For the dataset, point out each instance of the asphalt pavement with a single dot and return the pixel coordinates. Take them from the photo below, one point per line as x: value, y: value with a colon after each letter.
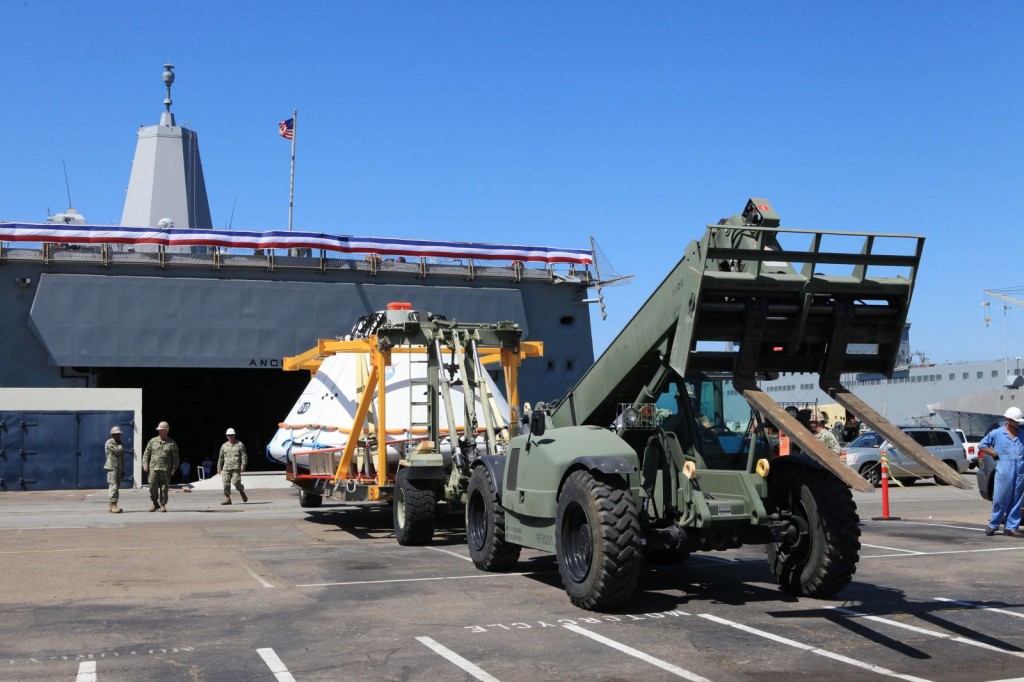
x: 268, y: 590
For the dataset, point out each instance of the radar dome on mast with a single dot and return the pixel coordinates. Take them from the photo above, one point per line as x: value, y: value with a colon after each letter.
x: 68, y: 217
x: 168, y: 118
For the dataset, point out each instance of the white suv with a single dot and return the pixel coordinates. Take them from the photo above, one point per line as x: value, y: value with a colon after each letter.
x: 863, y: 454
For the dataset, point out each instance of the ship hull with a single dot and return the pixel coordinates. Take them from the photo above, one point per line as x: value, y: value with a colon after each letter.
x: 980, y: 412
x: 204, y: 337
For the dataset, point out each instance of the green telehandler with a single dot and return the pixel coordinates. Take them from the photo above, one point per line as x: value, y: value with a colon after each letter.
x: 666, y: 447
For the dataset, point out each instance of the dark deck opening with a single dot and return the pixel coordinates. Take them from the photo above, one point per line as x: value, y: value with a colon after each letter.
x: 200, y: 405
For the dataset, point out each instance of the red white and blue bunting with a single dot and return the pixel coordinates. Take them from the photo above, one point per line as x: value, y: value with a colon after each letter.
x: 382, y: 246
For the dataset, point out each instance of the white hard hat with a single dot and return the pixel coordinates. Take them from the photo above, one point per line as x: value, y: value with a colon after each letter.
x: 1015, y: 414
x: 115, y: 429
x: 163, y: 425
x: 818, y: 417
x: 230, y: 432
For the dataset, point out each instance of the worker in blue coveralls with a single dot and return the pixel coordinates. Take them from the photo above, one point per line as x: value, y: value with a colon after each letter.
x: 1006, y: 447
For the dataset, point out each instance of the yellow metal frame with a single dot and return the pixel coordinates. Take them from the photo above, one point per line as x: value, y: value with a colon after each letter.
x: 311, y: 360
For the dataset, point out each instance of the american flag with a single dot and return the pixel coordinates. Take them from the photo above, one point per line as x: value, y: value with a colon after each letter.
x: 286, y: 129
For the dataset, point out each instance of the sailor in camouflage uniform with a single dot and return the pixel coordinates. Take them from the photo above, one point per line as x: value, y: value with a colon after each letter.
x: 823, y: 434
x: 230, y: 465
x: 161, y: 460
x: 114, y: 467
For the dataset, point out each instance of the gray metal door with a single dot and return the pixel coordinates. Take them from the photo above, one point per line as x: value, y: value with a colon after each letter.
x: 61, y: 450
x: 11, y: 440
x: 50, y: 450
x: 93, y: 433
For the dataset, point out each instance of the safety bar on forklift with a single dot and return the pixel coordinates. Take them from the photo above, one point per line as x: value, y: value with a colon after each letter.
x: 814, y: 255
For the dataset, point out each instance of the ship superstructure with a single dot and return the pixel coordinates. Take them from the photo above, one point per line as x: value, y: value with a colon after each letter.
x: 166, y: 184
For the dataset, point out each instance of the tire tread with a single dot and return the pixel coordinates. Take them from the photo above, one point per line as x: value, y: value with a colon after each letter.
x: 837, y: 513
x: 619, y: 568
x: 497, y: 554
x: 421, y: 511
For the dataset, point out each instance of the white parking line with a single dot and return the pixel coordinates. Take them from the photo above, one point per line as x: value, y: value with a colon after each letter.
x: 976, y: 529
x: 260, y: 580
x: 1016, y: 548
x: 445, y: 551
x: 980, y: 606
x: 86, y: 671
x: 814, y: 650
x: 471, y: 668
x: 276, y: 665
x: 931, y: 633
x: 417, y: 580
x: 891, y: 549
x: 636, y: 653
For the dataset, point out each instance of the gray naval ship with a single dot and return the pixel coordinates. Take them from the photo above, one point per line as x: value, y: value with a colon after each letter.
x: 164, y: 318
x: 969, y: 395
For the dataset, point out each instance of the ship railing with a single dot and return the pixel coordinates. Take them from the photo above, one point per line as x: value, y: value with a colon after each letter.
x: 225, y: 258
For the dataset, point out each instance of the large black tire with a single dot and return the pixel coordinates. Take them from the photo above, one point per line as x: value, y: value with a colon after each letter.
x: 485, y: 525
x: 597, y: 538
x: 872, y: 473
x: 308, y: 499
x: 822, y: 558
x: 414, y: 510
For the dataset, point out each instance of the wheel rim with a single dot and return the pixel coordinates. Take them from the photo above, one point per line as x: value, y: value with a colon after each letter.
x: 577, y: 545
x: 400, y: 507
x: 801, y: 547
x: 476, y: 526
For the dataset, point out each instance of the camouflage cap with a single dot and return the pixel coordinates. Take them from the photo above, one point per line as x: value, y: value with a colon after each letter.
x: 115, y: 429
x: 163, y: 425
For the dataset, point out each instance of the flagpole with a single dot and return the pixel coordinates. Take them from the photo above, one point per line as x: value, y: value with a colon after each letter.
x: 291, y: 189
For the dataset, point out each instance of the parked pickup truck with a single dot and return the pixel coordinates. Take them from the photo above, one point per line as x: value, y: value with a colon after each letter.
x: 970, y: 447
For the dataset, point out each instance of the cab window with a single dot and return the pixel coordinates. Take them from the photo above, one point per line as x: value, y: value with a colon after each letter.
x: 723, y: 427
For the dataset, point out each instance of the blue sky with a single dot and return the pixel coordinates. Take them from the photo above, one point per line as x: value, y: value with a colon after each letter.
x: 549, y: 122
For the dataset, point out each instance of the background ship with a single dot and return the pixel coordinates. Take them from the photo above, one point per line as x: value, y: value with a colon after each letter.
x: 979, y: 412
x: 919, y: 392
